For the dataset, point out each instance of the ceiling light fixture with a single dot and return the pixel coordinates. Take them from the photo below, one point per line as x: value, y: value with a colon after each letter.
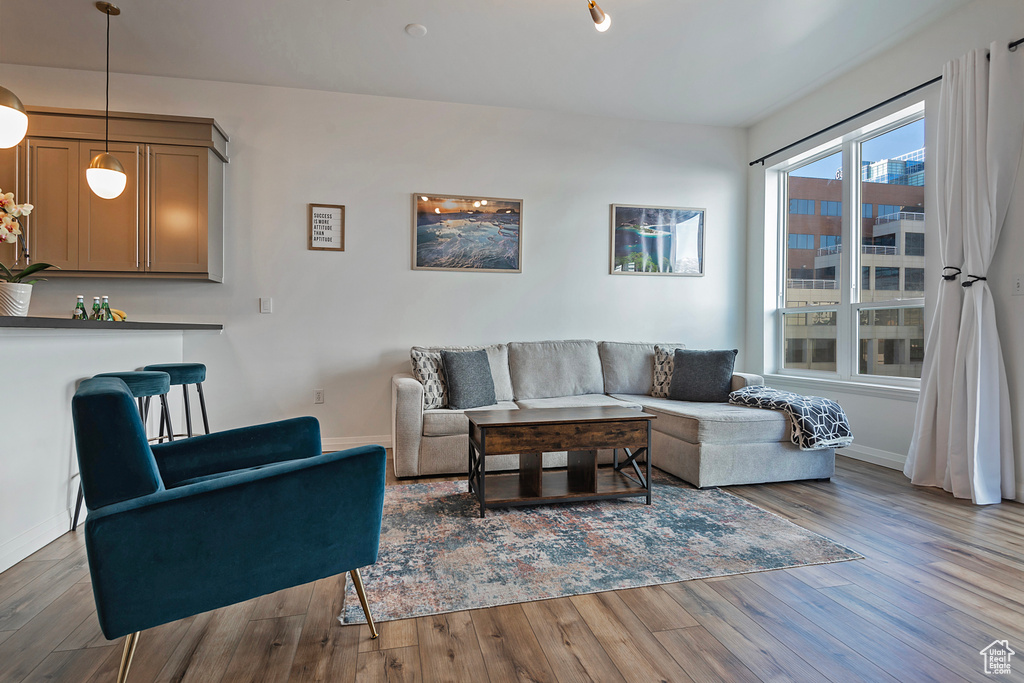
x: 105, y: 175
x: 13, y: 119
x: 602, y: 21
x: 416, y: 30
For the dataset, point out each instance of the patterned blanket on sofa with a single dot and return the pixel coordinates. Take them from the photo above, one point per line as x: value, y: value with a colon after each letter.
x: 817, y: 422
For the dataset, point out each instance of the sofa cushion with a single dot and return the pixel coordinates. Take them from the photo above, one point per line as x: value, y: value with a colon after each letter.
x: 581, y: 401
x: 555, y: 368
x: 428, y: 371
x: 468, y: 375
x: 704, y: 375
x: 445, y: 422
x: 664, y: 363
x: 497, y: 356
x: 720, y: 423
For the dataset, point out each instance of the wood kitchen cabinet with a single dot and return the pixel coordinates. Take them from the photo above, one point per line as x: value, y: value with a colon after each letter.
x: 178, y: 209
x: 167, y: 223
x: 10, y: 254
x: 52, y: 183
x: 111, y: 232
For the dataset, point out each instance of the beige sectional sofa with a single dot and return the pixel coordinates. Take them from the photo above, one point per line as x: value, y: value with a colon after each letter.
x: 706, y: 444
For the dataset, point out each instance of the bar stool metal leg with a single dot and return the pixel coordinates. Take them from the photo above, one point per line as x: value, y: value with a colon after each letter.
x: 202, y: 406
x: 78, y: 506
x: 165, y: 418
x: 188, y: 411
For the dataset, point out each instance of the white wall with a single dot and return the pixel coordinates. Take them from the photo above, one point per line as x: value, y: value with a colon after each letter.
x: 38, y: 466
x: 344, y: 322
x: 884, y: 426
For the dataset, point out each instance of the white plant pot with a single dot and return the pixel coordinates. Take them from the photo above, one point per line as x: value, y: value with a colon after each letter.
x: 14, y: 298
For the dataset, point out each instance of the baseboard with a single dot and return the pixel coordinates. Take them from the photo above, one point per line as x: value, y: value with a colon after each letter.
x: 875, y: 456
x: 18, y: 548
x: 338, y: 443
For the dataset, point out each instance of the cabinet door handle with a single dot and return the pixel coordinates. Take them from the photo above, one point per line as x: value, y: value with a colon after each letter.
x: 17, y: 195
x: 149, y: 190
x: 138, y: 189
x: 28, y: 197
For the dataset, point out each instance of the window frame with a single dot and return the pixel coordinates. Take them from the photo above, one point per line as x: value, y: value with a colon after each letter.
x: 849, y: 307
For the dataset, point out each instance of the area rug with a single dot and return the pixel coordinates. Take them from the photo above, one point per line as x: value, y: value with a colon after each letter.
x: 437, y: 555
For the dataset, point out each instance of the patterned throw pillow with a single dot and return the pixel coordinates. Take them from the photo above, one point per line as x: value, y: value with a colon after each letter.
x: 428, y: 370
x: 664, y: 364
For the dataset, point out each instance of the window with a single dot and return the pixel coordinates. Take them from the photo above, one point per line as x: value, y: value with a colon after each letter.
x: 913, y: 280
x: 830, y: 320
x: 801, y: 241
x: 802, y: 206
x: 887, y: 278
x: 823, y: 351
x: 915, y: 244
x: 831, y: 208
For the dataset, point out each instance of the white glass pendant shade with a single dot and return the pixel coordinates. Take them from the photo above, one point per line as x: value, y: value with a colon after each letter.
x: 13, y: 119
x: 602, y: 21
x: 106, y: 176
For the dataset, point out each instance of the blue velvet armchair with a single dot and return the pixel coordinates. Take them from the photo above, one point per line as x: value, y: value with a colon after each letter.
x: 181, y: 528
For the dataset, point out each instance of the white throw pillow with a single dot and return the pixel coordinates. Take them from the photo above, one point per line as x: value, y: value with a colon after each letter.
x: 664, y: 364
x: 429, y: 371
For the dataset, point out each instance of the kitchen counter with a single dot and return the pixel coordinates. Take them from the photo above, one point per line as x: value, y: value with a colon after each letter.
x: 69, y: 324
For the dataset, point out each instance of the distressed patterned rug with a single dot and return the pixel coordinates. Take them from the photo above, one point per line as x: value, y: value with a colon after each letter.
x: 437, y: 555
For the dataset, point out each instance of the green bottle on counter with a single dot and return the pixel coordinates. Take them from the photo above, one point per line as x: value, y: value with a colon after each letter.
x: 105, y: 314
x: 79, y: 312
x: 95, y: 309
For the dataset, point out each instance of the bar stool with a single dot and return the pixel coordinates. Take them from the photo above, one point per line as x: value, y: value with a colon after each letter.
x: 143, y: 386
x: 185, y: 374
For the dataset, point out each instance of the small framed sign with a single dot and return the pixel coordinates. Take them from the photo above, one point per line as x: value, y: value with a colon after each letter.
x: 327, y: 227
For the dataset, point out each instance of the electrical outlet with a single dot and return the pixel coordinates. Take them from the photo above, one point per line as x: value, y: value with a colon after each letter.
x: 266, y: 304
x: 318, y: 396
x: 1018, y: 285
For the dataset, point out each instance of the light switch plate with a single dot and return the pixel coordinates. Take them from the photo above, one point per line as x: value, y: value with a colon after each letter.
x: 1018, y: 285
x: 266, y: 304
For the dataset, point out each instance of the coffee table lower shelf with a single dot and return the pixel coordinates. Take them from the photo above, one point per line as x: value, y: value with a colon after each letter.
x: 558, y: 486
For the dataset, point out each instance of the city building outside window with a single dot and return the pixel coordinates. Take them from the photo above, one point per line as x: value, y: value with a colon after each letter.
x: 831, y: 208
x: 871, y: 327
x: 801, y: 241
x: 802, y: 206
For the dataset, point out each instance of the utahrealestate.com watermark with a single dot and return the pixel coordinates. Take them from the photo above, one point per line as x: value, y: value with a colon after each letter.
x: 997, y: 656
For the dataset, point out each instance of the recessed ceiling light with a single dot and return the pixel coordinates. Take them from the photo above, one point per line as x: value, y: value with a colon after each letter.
x: 416, y: 30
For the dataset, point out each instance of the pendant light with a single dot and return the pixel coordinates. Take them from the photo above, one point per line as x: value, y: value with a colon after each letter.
x: 13, y: 119
x: 105, y: 175
x: 602, y: 21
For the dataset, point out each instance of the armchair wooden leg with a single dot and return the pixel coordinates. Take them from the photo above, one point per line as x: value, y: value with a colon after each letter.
x: 357, y: 581
x: 126, y: 657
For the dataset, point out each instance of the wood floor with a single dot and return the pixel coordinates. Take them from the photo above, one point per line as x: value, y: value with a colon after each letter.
x: 941, y: 580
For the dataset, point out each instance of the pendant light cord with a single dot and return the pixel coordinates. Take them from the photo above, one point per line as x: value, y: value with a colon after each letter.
x: 106, y: 118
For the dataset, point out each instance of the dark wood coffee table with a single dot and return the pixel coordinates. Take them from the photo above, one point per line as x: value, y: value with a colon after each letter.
x: 531, y: 432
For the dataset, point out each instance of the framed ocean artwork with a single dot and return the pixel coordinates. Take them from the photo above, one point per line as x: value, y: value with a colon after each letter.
x: 657, y: 240
x: 478, y: 234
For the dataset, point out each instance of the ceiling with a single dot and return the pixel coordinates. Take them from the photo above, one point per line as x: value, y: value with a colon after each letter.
x: 722, y: 62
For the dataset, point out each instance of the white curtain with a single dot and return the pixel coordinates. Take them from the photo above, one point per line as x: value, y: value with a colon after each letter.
x: 963, y: 437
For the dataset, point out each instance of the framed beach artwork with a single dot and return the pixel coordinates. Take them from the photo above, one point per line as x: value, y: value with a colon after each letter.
x: 657, y: 240
x: 479, y: 234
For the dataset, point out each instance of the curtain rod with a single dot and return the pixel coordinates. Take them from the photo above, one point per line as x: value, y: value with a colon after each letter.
x: 1012, y: 47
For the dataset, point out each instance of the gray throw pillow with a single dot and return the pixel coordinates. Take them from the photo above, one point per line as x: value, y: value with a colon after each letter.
x: 704, y: 376
x: 468, y: 375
